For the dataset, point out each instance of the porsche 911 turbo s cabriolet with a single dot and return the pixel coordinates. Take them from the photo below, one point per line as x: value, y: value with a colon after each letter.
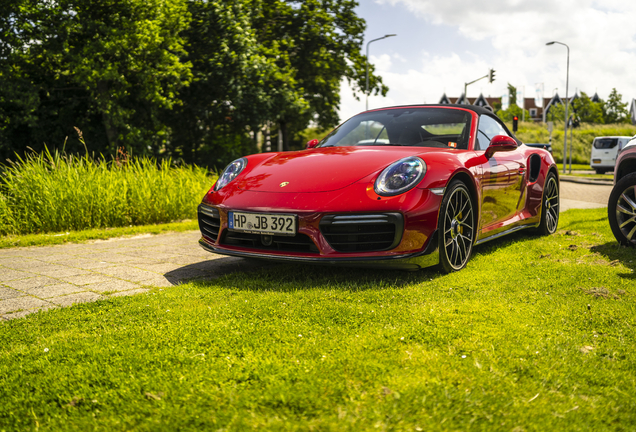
x: 407, y: 187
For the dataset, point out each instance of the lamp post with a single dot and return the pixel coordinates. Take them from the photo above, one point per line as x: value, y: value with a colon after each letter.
x: 366, y: 91
x: 565, y: 130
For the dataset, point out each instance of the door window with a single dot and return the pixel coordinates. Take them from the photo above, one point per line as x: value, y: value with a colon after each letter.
x: 488, y: 129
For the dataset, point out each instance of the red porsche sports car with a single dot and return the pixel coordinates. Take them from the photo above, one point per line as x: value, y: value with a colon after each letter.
x: 406, y: 186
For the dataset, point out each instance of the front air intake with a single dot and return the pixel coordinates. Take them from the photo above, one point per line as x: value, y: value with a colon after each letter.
x: 362, y: 232
x: 209, y: 222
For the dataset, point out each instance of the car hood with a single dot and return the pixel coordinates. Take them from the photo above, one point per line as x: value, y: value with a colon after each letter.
x: 319, y: 170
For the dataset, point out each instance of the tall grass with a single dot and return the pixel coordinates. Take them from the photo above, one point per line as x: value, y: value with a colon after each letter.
x: 51, y: 192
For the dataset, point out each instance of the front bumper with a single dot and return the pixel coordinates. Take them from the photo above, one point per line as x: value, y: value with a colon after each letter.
x: 346, y: 239
x: 413, y: 261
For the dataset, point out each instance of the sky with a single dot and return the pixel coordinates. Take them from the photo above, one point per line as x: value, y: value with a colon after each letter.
x: 442, y: 44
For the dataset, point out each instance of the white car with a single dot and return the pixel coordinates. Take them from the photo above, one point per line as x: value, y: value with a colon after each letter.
x: 605, y: 150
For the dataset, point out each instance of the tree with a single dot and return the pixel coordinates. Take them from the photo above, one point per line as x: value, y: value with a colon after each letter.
x: 320, y: 42
x: 105, y: 66
x: 237, y: 85
x: 615, y: 110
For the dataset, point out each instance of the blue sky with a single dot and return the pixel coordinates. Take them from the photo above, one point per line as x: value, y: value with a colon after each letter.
x: 441, y: 44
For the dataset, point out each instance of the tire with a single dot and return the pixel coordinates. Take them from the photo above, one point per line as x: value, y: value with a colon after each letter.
x: 456, y: 224
x: 549, y: 206
x: 599, y: 171
x: 621, y: 210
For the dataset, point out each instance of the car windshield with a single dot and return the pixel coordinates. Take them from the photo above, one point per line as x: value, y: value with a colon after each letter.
x: 419, y: 127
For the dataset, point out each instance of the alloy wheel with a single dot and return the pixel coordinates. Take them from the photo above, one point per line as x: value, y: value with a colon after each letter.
x: 552, y: 204
x: 459, y: 229
x: 626, y: 213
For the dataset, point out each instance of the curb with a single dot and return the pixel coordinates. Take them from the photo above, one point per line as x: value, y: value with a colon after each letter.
x: 583, y: 180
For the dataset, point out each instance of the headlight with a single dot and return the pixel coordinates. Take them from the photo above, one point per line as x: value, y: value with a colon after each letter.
x: 400, y: 176
x: 230, y: 172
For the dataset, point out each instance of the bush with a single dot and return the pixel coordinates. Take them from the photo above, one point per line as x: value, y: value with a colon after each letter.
x: 57, y: 192
x: 582, y: 137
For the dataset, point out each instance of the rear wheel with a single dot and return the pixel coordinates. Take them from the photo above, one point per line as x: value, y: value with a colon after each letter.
x: 549, y: 206
x: 621, y: 210
x: 599, y: 171
x: 457, y: 228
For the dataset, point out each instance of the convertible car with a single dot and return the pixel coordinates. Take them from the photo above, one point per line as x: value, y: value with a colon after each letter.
x: 407, y: 187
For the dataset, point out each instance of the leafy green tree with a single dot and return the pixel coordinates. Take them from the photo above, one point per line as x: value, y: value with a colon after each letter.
x: 105, y: 66
x: 320, y: 42
x: 581, y: 109
x: 615, y: 110
x: 237, y: 84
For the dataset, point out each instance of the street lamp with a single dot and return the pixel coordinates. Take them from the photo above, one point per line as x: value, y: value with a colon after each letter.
x: 565, y: 130
x: 366, y: 91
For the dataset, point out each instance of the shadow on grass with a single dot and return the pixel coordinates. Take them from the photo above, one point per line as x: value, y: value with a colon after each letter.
x: 616, y: 253
x: 214, y: 268
x: 265, y: 275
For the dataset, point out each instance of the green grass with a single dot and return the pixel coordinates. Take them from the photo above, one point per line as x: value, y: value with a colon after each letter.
x: 46, y: 193
x: 582, y: 137
x: 535, y: 334
x: 94, y: 234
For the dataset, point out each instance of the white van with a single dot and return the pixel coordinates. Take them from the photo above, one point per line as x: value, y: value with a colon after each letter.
x: 605, y: 150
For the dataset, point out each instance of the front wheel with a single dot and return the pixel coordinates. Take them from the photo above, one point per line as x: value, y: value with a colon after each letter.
x: 457, y: 228
x: 621, y: 210
x: 549, y: 206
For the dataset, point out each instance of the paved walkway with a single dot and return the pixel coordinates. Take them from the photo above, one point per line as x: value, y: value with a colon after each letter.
x: 40, y: 278
x: 584, y: 195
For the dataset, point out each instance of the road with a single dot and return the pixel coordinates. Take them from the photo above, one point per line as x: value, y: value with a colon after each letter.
x: 580, y: 195
x: 39, y: 278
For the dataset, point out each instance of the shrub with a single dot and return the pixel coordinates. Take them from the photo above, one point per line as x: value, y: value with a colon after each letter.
x: 56, y: 192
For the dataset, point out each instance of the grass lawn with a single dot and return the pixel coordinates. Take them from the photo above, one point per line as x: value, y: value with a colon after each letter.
x: 535, y: 334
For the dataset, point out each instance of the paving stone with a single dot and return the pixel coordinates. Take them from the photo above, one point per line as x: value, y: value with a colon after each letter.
x: 21, y: 263
x: 54, y: 258
x: 161, y: 268
x: 156, y: 256
x: 113, y: 258
x: 33, y: 282
x: 128, y: 273
x: 72, y: 299
x: 183, y: 260
x: 63, y: 272
x: 21, y: 303
x: 7, y: 274
x: 7, y: 293
x: 111, y: 285
x: 86, y: 279
x: 54, y: 290
x: 84, y: 263
x: 158, y: 282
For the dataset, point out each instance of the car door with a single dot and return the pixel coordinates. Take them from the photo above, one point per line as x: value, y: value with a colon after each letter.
x: 503, y: 179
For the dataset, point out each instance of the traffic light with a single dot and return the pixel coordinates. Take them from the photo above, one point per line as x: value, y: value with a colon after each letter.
x: 491, y: 75
x: 515, y: 123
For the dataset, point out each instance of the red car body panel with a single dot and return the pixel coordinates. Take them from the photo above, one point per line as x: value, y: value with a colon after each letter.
x: 325, y: 181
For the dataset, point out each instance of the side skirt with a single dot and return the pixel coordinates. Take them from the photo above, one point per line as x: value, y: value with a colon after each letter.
x: 503, y: 233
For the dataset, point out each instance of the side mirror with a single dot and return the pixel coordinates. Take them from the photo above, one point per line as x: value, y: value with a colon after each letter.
x: 500, y: 143
x: 312, y: 143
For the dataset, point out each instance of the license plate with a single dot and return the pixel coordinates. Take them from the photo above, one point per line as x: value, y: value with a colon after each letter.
x: 596, y: 161
x: 262, y: 223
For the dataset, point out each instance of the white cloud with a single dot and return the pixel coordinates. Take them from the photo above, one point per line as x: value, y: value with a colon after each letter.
x: 601, y: 37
